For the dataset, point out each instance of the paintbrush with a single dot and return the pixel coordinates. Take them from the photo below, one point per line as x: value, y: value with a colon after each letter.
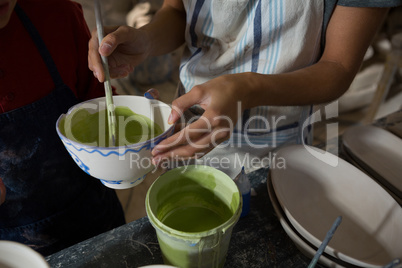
x: 325, y: 242
x: 111, y: 117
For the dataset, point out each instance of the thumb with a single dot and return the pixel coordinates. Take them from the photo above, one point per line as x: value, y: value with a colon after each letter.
x: 112, y: 40
x: 2, y: 192
x: 181, y: 104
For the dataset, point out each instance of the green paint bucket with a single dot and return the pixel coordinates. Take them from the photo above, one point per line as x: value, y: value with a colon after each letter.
x: 193, y: 210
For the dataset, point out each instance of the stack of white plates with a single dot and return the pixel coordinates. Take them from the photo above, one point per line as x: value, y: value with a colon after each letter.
x: 314, y: 188
x: 379, y: 153
x: 302, y: 244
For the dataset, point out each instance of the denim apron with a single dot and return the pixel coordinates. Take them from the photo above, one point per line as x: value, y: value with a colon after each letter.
x: 50, y: 203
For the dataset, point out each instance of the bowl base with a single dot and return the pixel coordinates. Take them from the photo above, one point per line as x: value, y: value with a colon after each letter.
x: 123, y: 184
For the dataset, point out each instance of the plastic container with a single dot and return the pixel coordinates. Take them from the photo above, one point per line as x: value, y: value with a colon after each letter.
x: 192, y: 242
x: 243, y: 183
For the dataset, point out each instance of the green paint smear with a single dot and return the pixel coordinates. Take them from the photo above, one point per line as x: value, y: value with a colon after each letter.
x: 92, y: 129
x: 174, y: 257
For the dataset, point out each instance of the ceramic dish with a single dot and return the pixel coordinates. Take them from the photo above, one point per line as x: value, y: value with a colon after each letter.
x: 377, y: 151
x: 119, y: 167
x: 16, y: 255
x: 313, y: 194
x: 300, y: 243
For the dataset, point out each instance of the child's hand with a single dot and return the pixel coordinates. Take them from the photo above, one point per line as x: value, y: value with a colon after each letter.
x: 125, y: 48
x: 223, y: 98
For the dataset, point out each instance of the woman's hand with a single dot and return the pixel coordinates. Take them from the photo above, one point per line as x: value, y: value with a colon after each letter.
x: 2, y: 192
x: 223, y: 99
x: 125, y: 47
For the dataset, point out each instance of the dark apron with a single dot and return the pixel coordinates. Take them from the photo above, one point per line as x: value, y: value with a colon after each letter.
x: 50, y: 203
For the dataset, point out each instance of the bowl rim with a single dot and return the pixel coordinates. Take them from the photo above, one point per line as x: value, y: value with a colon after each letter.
x: 128, y: 146
x: 229, y: 224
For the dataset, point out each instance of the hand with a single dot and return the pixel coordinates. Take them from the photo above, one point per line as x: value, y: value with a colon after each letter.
x: 125, y: 47
x: 2, y: 192
x: 223, y: 99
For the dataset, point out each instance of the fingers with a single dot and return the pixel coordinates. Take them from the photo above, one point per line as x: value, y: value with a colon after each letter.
x: 94, y: 60
x: 184, y: 102
x: 195, y: 149
x: 119, y: 71
x: 116, y: 36
x: 189, y: 134
x: 152, y: 94
x: 2, y: 192
x: 196, y: 138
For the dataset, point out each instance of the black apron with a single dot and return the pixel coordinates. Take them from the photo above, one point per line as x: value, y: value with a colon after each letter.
x: 50, y: 203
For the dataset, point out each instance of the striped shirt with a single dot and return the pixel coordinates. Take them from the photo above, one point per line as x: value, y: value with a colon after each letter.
x: 234, y: 36
x: 261, y: 36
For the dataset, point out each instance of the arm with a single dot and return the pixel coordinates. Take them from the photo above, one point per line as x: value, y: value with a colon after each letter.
x: 350, y: 32
x: 127, y: 47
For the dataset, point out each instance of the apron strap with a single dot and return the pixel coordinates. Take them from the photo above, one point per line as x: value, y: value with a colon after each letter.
x: 44, y: 52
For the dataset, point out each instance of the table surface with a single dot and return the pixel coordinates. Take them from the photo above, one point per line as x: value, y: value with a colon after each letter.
x: 258, y: 239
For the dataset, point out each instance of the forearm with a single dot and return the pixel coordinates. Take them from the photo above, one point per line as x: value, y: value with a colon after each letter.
x: 320, y: 83
x: 349, y: 33
x: 166, y: 30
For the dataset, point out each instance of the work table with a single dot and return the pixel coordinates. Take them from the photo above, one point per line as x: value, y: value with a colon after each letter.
x: 258, y: 240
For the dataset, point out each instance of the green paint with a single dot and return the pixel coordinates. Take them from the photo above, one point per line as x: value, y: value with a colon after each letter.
x: 193, y: 219
x: 192, y: 205
x: 92, y: 128
x: 235, y: 201
x: 193, y: 210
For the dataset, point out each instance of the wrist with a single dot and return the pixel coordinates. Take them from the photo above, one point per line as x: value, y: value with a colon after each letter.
x: 147, y: 42
x: 255, y: 90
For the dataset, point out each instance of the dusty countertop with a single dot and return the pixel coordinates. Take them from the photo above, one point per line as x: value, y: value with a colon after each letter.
x: 258, y: 240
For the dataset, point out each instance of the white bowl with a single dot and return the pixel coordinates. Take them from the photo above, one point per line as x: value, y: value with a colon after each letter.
x: 119, y: 167
x: 313, y: 194
x: 17, y: 255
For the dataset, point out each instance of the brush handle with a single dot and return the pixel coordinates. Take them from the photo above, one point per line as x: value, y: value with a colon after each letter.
x: 325, y: 242
x: 111, y: 116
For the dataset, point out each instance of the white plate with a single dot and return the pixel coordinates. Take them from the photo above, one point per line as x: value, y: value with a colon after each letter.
x: 304, y: 247
x: 313, y: 194
x: 377, y: 151
x: 16, y: 255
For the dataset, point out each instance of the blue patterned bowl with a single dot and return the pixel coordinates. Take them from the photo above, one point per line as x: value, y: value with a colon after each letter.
x: 118, y: 167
